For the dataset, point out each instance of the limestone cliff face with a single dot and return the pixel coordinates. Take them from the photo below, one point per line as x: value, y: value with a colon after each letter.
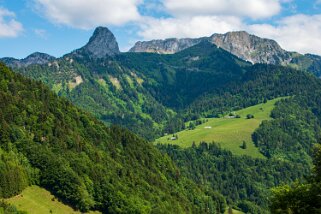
x: 167, y: 46
x: 246, y: 46
x: 101, y: 44
x: 251, y: 48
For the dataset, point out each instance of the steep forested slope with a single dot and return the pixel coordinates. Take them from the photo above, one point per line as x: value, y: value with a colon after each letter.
x: 45, y: 140
x: 300, y: 197
x: 154, y: 94
x: 286, y: 141
x: 260, y: 82
x: 106, y: 89
x: 179, y: 79
x: 243, y: 180
x: 139, y: 91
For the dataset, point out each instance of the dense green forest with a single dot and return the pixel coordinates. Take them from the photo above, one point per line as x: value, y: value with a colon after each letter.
x: 109, y: 168
x: 287, y: 141
x: 131, y: 91
x: 153, y: 94
x: 47, y: 141
x: 294, y: 130
x: 244, y: 181
x: 300, y: 197
x: 106, y: 89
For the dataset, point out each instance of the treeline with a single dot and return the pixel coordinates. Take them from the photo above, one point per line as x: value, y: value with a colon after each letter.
x: 244, y: 181
x: 153, y: 94
x: 16, y: 173
x: 300, y: 197
x: 259, y: 84
x: 179, y: 79
x: 127, y: 104
x: 46, y: 140
x: 6, y: 208
x: 287, y: 141
x: 293, y: 131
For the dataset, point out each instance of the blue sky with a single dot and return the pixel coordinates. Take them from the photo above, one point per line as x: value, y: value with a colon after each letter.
x: 57, y: 27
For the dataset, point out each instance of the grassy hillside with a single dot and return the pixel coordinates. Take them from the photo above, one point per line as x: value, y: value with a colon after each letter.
x: 229, y: 132
x: 37, y: 200
x: 233, y: 212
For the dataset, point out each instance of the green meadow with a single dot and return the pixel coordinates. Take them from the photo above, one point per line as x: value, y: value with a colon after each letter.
x: 37, y: 200
x: 230, y: 133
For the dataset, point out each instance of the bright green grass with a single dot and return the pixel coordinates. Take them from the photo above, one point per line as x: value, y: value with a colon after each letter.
x: 36, y: 200
x: 234, y: 211
x: 57, y: 87
x: 229, y: 132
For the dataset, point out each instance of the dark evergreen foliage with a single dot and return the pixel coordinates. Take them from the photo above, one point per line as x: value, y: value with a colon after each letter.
x: 244, y: 181
x: 46, y: 140
x: 153, y: 94
x: 300, y: 197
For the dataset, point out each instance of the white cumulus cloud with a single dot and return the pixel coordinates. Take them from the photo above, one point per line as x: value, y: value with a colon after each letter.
x: 188, y: 18
x: 9, y: 27
x: 245, y: 8
x: 87, y: 14
x: 301, y: 33
x: 193, y: 27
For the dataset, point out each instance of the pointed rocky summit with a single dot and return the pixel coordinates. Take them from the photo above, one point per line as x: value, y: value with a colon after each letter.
x: 101, y: 44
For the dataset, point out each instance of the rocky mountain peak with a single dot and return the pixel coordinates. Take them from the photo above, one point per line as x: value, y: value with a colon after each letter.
x: 101, y: 44
x: 240, y: 43
x: 250, y: 47
x: 36, y: 58
x: 167, y: 46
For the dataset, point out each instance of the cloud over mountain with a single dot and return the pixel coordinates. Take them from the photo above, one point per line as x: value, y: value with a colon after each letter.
x: 300, y: 33
x: 245, y: 8
x: 193, y: 27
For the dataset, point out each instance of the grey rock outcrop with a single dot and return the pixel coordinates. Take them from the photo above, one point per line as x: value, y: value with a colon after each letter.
x: 251, y: 48
x: 101, y: 44
x: 240, y: 43
x: 167, y: 46
x: 35, y: 58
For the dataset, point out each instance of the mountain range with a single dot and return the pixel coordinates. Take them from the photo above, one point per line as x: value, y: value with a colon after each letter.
x: 156, y: 89
x: 146, y: 92
x: 35, y: 58
x: 240, y: 43
x: 248, y: 47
